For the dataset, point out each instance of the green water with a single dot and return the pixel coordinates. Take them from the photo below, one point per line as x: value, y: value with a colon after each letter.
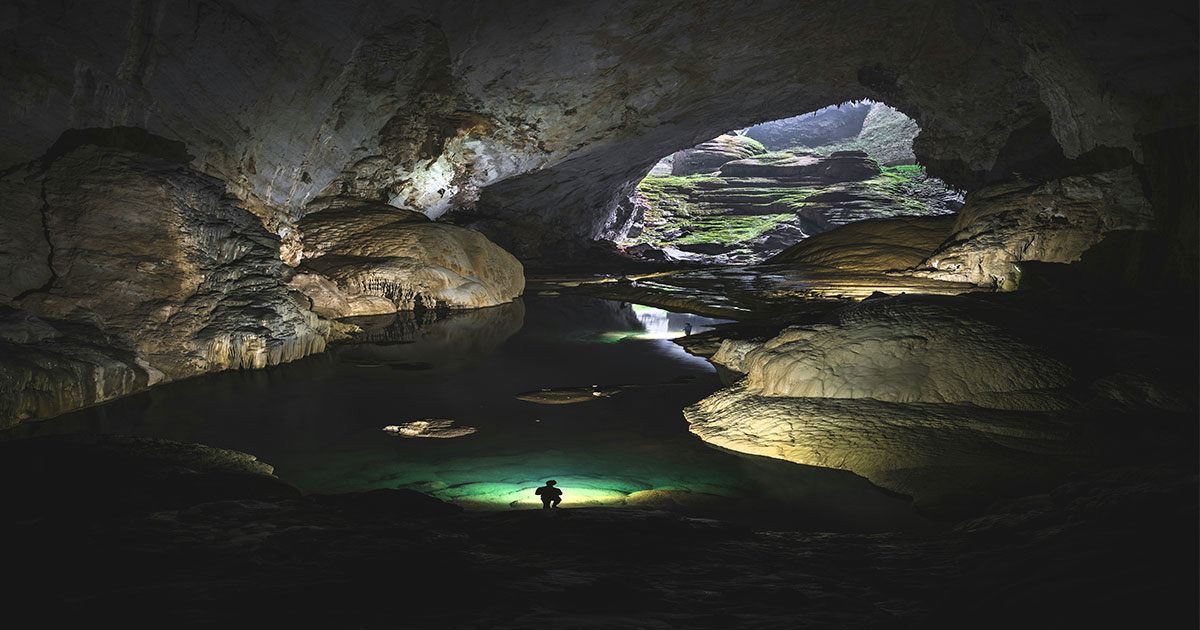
x: 320, y: 421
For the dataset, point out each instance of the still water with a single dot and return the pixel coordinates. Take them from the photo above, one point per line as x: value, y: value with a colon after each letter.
x: 320, y: 421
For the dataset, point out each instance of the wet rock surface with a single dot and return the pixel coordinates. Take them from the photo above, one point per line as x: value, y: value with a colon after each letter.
x: 872, y: 245
x: 430, y: 428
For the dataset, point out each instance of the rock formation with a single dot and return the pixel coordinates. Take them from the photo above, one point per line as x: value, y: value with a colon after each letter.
x: 755, y: 207
x: 938, y: 398
x: 381, y: 259
x: 872, y: 245
x: 430, y: 428
x: 538, y: 137
x: 149, y: 274
x: 1056, y: 221
x: 707, y: 157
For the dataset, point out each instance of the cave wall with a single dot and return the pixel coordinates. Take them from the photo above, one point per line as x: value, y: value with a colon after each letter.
x: 529, y: 119
x: 144, y: 145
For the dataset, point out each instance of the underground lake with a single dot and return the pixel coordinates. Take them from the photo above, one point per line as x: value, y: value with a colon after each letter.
x: 320, y: 421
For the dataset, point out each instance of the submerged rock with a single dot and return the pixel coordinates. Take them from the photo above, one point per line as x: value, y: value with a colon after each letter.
x: 373, y: 253
x: 569, y: 395
x: 429, y: 428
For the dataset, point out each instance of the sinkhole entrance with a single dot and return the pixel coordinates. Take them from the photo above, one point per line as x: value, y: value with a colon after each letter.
x: 747, y: 195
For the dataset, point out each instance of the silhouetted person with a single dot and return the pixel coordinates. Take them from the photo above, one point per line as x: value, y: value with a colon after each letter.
x: 687, y: 328
x: 551, y: 496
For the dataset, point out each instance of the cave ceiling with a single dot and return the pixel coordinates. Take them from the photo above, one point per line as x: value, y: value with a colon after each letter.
x: 531, y: 120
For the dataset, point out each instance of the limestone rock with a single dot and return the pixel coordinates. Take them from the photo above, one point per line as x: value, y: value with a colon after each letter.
x: 438, y: 109
x: 372, y: 250
x: 327, y: 300
x: 707, y: 157
x: 934, y: 452
x: 903, y: 350
x: 156, y: 276
x: 921, y: 395
x: 872, y: 244
x: 24, y: 252
x: 1057, y: 221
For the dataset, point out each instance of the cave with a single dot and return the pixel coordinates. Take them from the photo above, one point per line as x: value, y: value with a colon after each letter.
x: 304, y: 304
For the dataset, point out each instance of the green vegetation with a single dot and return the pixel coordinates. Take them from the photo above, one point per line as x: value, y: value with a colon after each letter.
x: 754, y: 144
x: 702, y: 209
x: 730, y: 230
x: 775, y: 157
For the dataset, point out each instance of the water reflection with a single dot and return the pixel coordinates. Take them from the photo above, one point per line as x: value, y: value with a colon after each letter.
x: 427, y: 342
x: 319, y: 421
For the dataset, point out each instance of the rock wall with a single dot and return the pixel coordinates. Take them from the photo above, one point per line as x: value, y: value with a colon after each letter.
x: 149, y: 273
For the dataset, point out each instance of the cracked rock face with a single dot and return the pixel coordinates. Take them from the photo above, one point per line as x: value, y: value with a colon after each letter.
x: 153, y: 274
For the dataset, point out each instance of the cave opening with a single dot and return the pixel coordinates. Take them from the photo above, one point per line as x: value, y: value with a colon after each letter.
x: 748, y: 194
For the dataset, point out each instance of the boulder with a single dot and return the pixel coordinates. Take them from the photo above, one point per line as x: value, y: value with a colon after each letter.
x: 707, y: 157
x: 921, y: 395
x: 374, y: 254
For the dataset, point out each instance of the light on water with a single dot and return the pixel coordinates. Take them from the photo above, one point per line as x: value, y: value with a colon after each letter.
x: 321, y: 421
